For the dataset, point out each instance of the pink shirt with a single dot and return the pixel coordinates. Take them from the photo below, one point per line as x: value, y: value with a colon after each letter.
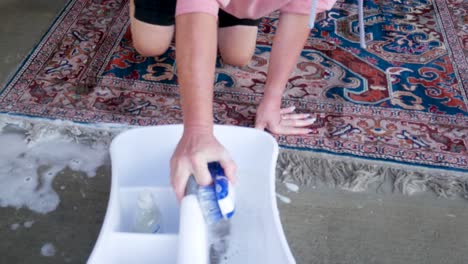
x: 251, y: 9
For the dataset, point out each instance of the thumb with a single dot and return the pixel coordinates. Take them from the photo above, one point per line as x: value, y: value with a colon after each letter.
x: 260, y: 125
x: 179, y: 178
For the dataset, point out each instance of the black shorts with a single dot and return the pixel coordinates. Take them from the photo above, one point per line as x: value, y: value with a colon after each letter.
x: 162, y: 12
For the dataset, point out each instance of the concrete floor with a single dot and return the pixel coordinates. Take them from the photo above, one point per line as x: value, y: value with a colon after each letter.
x: 22, y: 24
x: 322, y: 226
x: 72, y: 228
x: 334, y: 226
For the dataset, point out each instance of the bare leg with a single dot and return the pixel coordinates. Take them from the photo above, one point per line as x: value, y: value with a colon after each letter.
x: 237, y: 44
x: 149, y: 40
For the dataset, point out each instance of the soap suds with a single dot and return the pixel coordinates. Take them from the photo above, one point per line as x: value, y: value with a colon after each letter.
x: 33, y: 154
x: 28, y: 224
x: 14, y: 226
x: 291, y: 187
x: 48, y: 250
x: 283, y: 198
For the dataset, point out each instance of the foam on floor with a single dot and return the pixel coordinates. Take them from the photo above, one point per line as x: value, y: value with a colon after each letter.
x: 31, y: 157
x: 14, y: 226
x: 48, y: 250
x: 283, y: 198
x: 291, y: 187
x: 28, y: 224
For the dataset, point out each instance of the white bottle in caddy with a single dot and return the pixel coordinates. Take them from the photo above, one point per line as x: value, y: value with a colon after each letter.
x: 147, y: 215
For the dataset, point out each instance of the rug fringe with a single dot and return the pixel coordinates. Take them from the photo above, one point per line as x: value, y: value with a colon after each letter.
x: 36, y: 129
x: 357, y: 175
x: 302, y: 167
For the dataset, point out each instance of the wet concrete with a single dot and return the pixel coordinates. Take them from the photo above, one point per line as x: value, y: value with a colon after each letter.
x: 72, y: 228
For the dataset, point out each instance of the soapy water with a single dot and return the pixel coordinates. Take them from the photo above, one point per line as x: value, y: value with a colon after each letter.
x: 32, y: 156
x: 283, y: 198
x: 48, y: 250
x: 291, y: 187
x: 28, y: 224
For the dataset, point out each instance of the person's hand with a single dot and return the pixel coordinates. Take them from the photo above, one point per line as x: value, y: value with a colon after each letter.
x: 191, y: 157
x: 282, y: 121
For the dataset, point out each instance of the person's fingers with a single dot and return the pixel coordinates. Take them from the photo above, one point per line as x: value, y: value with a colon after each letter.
x: 288, y: 130
x: 179, y: 177
x: 230, y: 169
x: 287, y: 110
x: 297, y: 122
x: 295, y: 116
x: 260, y: 125
x: 200, y: 170
x: 294, y: 131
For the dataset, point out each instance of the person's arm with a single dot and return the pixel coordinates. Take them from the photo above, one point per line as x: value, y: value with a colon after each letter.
x: 289, y: 41
x: 196, y: 56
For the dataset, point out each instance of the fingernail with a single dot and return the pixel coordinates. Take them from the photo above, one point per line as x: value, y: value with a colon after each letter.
x: 309, y: 131
x: 312, y: 120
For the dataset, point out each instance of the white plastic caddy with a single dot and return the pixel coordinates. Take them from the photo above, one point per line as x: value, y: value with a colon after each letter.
x: 140, y: 160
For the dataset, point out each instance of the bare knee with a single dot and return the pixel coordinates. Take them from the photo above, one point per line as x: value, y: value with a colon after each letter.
x: 237, y: 44
x: 150, y: 49
x: 150, y: 40
x: 237, y: 59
